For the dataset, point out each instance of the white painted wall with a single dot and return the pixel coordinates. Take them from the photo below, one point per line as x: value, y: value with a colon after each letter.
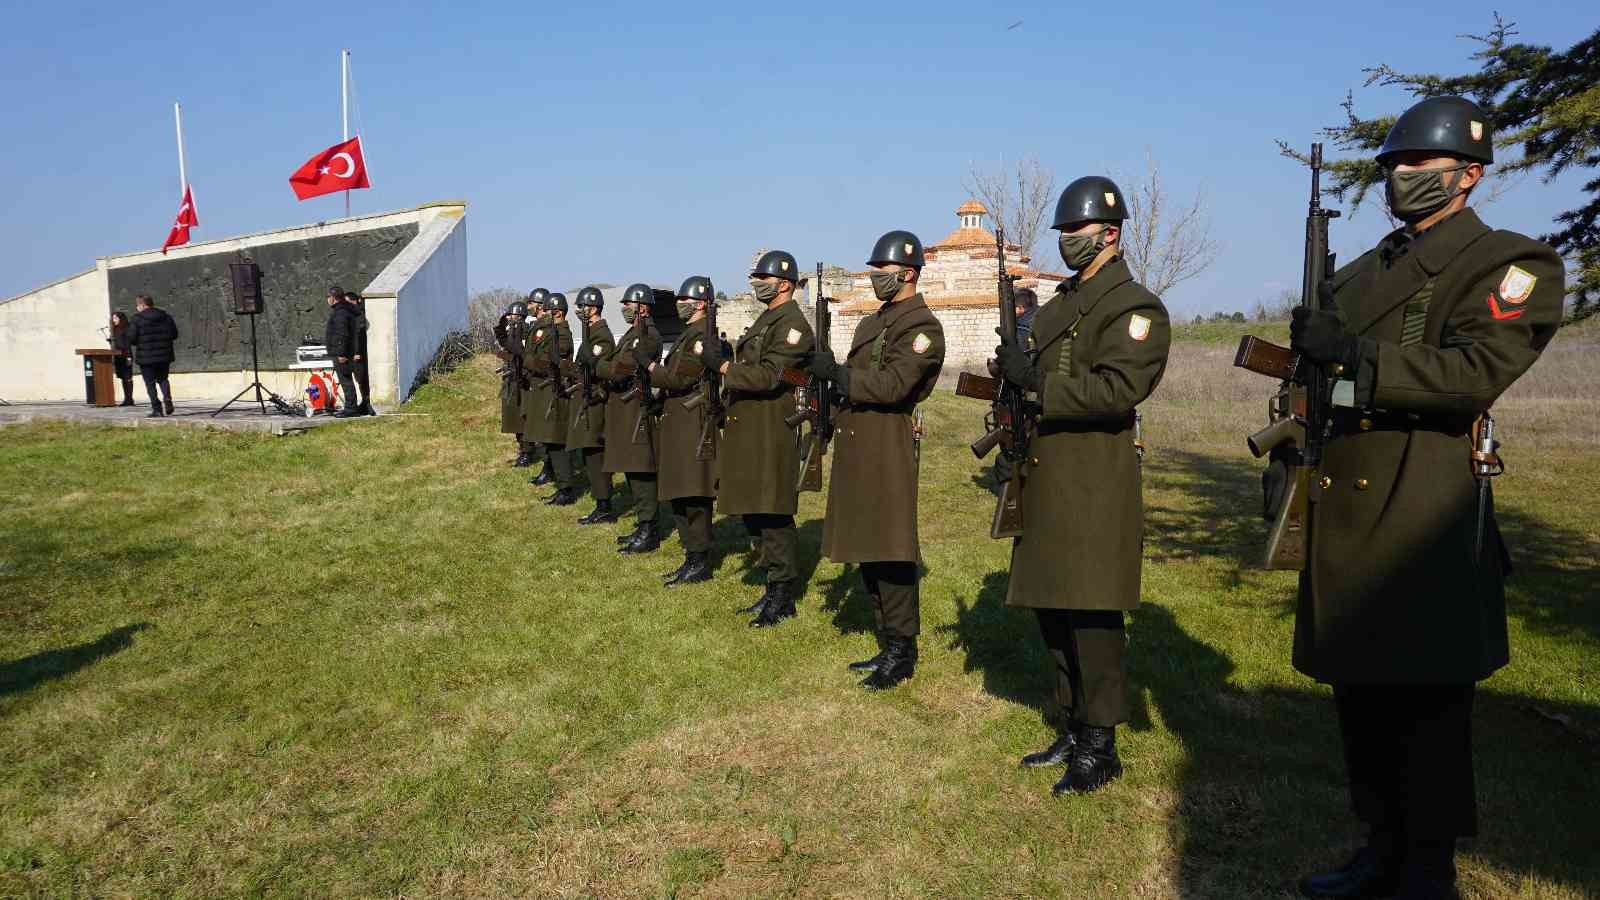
x: 39, y: 331
x: 428, y: 284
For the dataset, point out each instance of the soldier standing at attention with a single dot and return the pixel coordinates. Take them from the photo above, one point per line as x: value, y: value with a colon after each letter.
x: 1402, y: 601
x: 1100, y: 349
x: 532, y: 334
x: 687, y: 477
x: 586, y: 435
x: 895, y: 357
x: 508, y: 336
x: 630, y: 430
x: 760, y: 462
x: 547, y: 420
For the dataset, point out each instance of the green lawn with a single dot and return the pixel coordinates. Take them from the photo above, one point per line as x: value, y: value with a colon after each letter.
x: 366, y: 662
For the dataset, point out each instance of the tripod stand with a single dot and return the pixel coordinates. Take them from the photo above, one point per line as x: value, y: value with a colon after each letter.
x: 256, y: 385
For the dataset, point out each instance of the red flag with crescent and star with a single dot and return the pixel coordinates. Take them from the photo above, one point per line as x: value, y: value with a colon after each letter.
x: 186, y: 220
x: 338, y: 168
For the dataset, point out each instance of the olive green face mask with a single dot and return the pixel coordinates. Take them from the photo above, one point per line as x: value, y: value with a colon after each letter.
x: 765, y: 291
x: 1414, y: 196
x: 629, y: 313
x: 1079, y: 250
x: 884, y: 284
x: 685, y: 309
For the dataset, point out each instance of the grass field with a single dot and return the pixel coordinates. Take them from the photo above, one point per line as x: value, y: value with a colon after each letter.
x: 365, y: 662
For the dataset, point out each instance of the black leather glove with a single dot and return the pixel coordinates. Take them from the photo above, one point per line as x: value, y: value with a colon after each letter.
x: 823, y: 365
x: 1274, y: 483
x: 1014, y: 364
x: 643, y: 357
x: 711, y: 353
x: 1320, y: 336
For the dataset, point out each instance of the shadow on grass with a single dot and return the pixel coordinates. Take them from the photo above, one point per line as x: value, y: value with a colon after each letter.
x: 729, y: 538
x: 1218, y: 513
x: 29, y: 672
x: 1554, y: 573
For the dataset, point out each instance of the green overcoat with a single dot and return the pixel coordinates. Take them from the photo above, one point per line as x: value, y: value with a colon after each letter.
x: 544, y: 411
x: 759, y: 466
x: 1393, y: 592
x: 895, y: 357
x: 1102, y: 348
x: 679, y: 473
x: 588, y: 428
x: 622, y: 454
x: 510, y: 393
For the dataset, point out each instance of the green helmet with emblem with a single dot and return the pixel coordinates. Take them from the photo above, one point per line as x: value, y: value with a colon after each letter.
x: 517, y: 308
x: 1450, y: 126
x: 697, y: 287
x: 556, y: 302
x: 639, y: 293
x: 1092, y: 198
x: 898, y: 246
x: 538, y: 296
x: 777, y: 263
x: 591, y: 297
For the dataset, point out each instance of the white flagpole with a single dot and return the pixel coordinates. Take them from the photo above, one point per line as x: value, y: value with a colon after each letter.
x: 344, y: 106
x: 183, y: 175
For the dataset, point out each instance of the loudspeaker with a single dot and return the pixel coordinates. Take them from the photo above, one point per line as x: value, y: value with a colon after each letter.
x: 246, y: 277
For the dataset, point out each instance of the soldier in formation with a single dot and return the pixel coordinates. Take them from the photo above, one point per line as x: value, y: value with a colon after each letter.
x: 687, y: 433
x: 630, y: 428
x: 1097, y: 349
x: 586, y: 433
x: 508, y: 336
x: 545, y: 417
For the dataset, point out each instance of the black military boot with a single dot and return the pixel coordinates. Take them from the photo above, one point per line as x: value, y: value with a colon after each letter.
x: 695, y: 569
x: 898, y: 664
x: 602, y: 513
x: 563, y: 497
x: 626, y: 539
x: 1373, y: 872
x: 780, y: 605
x: 647, y: 541
x: 1093, y: 761
x: 871, y: 665
x: 544, y: 477
x: 1057, y: 753
x: 675, y: 574
x: 761, y: 602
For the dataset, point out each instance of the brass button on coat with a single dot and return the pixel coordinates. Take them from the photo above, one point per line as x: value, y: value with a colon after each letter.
x: 1362, y: 484
x: 1366, y: 424
x: 1325, y: 482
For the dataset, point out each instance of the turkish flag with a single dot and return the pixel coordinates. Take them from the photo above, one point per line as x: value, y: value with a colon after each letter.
x: 186, y: 220
x: 338, y: 168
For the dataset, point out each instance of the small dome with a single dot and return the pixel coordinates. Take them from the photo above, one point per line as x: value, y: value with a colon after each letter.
x: 972, y: 207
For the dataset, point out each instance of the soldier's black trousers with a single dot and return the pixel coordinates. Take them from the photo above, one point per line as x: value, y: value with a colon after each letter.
x: 694, y: 522
x: 779, y: 543
x: 560, y: 464
x: 1408, y: 754
x: 594, y: 459
x: 895, y: 601
x: 1087, y: 646
x: 643, y: 486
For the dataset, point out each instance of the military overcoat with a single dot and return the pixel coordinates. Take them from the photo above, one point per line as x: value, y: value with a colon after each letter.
x: 1393, y: 592
x: 1101, y: 346
x: 545, y: 411
x: 679, y: 473
x: 759, y: 466
x: 895, y: 357
x: 510, y: 393
x: 622, y: 415
x: 588, y: 428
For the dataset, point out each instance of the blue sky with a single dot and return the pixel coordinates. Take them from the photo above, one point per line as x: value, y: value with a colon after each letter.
x: 653, y: 141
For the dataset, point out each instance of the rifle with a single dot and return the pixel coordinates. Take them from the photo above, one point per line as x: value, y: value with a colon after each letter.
x: 814, y: 399
x: 1298, y: 420
x: 1010, y: 420
x: 1486, y: 464
x: 559, y: 387
x: 710, y: 396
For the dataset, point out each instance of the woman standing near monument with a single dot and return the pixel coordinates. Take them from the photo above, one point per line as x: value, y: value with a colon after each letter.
x: 123, y: 362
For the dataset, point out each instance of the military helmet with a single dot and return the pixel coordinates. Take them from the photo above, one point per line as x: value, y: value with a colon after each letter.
x: 517, y: 308
x: 639, y: 293
x: 1453, y: 126
x: 1092, y: 198
x: 898, y: 247
x: 591, y: 296
x: 538, y: 296
x: 697, y: 287
x: 556, y: 302
x: 777, y: 263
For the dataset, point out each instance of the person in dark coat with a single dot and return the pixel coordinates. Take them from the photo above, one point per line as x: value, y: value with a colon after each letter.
x: 1402, y: 598
x: 151, y: 336
x: 340, y: 338
x: 358, y: 363
x: 123, y: 363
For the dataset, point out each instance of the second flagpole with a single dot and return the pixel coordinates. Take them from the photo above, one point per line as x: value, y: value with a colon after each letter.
x: 344, y: 108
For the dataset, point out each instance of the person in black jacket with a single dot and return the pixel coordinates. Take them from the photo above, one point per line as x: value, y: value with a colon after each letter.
x: 340, y: 337
x: 359, y: 364
x: 123, y: 362
x: 151, y: 336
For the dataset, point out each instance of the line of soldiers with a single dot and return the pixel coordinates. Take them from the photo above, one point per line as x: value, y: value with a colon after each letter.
x: 1401, y: 601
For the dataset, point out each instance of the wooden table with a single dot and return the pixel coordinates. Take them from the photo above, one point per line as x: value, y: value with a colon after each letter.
x: 100, y: 389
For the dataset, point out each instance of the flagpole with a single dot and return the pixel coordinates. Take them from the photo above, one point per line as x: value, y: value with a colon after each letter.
x: 183, y: 174
x: 344, y: 107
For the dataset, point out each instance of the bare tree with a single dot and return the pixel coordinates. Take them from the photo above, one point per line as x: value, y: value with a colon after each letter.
x: 484, y: 310
x: 1018, y: 196
x: 1166, y: 244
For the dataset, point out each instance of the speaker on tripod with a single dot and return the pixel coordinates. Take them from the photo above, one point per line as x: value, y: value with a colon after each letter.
x: 245, y: 277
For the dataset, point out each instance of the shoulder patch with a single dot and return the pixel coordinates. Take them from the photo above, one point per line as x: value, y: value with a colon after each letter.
x: 1517, y: 285
x: 634, y: 344
x: 597, y: 349
x: 699, y: 347
x: 538, y: 334
x: 921, y: 343
x: 793, y: 337
x: 1138, y: 327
